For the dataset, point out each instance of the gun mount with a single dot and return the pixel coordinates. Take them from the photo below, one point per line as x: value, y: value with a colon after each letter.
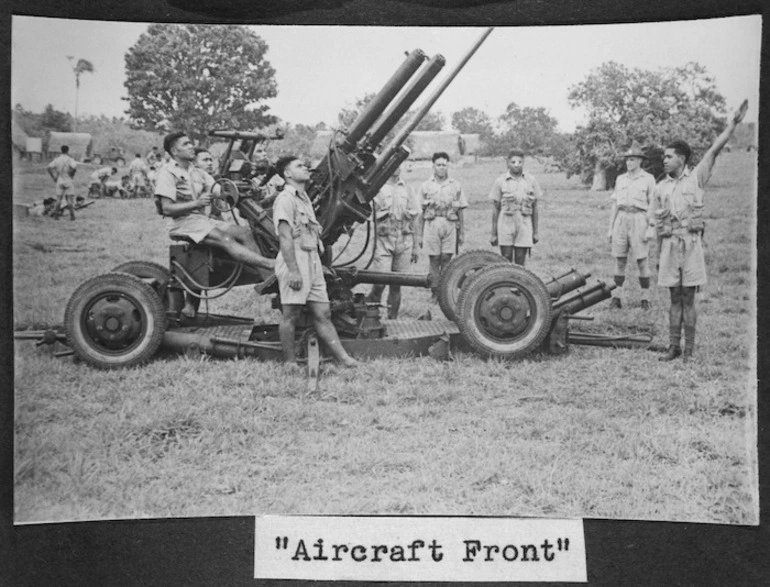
x: 493, y: 307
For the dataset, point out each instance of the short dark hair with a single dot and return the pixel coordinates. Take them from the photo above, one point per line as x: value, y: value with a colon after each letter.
x: 138, y: 154
x: 283, y: 163
x: 440, y: 155
x: 114, y: 170
x: 515, y: 153
x: 199, y: 150
x: 171, y: 139
x: 65, y: 149
x: 681, y: 148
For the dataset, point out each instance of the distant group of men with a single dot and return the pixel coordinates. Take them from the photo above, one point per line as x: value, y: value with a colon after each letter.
x: 433, y: 221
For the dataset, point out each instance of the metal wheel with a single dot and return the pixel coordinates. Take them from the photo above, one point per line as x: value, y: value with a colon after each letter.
x: 505, y: 311
x: 158, y: 277
x: 457, y: 273
x: 228, y: 196
x: 115, y: 320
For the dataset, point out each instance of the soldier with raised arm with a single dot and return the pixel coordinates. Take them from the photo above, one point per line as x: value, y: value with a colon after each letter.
x: 677, y: 214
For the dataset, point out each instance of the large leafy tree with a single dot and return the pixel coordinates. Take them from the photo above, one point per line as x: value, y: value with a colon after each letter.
x: 647, y: 107
x: 531, y: 129
x: 199, y: 77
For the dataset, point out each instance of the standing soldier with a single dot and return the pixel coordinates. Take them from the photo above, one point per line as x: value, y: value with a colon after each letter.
x: 62, y: 170
x: 298, y: 265
x: 514, y: 210
x: 677, y: 211
x: 629, y: 231
x: 442, y: 230
x: 396, y: 211
x: 138, y: 174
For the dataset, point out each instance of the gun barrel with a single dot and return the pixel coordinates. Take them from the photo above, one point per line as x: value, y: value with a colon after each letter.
x: 373, y: 183
x: 401, y: 137
x: 565, y: 283
x: 580, y: 300
x: 397, y: 109
x: 376, y: 106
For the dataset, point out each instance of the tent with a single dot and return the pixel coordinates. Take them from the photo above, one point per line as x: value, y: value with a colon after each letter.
x: 80, y: 144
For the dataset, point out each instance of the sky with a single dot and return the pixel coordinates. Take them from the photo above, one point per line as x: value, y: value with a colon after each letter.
x: 319, y: 70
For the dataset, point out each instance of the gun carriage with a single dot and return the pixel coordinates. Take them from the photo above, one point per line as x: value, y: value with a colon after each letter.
x: 492, y: 307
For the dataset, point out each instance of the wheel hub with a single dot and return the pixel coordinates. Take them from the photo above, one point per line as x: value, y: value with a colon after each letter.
x: 505, y: 311
x: 114, y: 321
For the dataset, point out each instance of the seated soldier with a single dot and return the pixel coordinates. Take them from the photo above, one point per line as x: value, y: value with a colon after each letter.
x: 183, y: 193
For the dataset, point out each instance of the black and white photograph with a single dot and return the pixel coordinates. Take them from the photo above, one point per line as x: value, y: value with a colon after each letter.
x: 505, y: 271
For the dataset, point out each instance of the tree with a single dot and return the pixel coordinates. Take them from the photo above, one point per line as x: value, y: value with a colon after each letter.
x: 82, y: 66
x: 648, y: 107
x: 470, y: 120
x: 529, y: 129
x: 39, y: 125
x: 197, y: 78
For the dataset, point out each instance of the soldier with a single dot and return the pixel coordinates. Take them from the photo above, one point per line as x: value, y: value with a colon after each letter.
x: 154, y: 157
x: 677, y: 213
x: 99, y: 180
x: 396, y: 211
x: 298, y: 265
x: 262, y: 168
x: 629, y: 231
x: 442, y: 230
x: 183, y: 193
x: 62, y: 171
x: 514, y: 198
x: 138, y: 174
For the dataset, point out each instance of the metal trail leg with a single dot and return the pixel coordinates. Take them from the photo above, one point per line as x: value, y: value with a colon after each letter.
x: 313, y: 362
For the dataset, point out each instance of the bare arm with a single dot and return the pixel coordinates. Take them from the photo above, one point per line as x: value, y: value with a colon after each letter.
x: 286, y: 240
x: 535, y: 217
x: 613, y: 215
x: 495, y: 216
x: 460, y: 226
x: 710, y: 157
x: 176, y: 209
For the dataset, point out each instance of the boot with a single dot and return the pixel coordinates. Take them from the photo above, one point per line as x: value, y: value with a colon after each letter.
x: 673, y: 353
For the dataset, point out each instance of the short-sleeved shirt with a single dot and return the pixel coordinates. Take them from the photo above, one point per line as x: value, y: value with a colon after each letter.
x: 295, y: 207
x: 137, y: 166
x: 182, y: 185
x: 514, y: 192
x: 444, y: 198
x: 634, y: 192
x: 683, y: 196
x: 396, y: 207
x: 101, y: 174
x: 63, y: 165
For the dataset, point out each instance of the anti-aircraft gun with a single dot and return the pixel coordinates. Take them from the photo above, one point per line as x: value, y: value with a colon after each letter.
x: 493, y: 307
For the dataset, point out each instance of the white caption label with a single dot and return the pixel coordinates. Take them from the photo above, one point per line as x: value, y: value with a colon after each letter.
x: 419, y: 549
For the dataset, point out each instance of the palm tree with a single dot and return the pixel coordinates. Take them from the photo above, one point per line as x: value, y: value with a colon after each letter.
x: 82, y: 66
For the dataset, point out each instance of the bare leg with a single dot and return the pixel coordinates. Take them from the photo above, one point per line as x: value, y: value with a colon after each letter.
x: 689, y: 317
x: 644, y: 281
x: 507, y: 252
x: 435, y: 271
x: 394, y: 301
x: 286, y: 328
x: 228, y: 243
x: 322, y: 318
x: 375, y: 296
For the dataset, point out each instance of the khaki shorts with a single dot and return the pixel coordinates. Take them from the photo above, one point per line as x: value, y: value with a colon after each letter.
x: 514, y: 230
x: 628, y: 233
x: 195, y: 226
x: 682, y: 262
x: 439, y: 236
x: 313, y: 282
x: 65, y: 188
x: 393, y: 253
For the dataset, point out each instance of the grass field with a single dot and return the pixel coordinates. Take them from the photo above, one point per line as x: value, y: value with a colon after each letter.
x: 599, y: 433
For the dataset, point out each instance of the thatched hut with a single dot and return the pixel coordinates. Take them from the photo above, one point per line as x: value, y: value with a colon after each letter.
x: 80, y: 144
x: 423, y: 143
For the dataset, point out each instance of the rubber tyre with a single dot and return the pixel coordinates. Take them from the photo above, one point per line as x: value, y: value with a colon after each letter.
x: 110, y: 302
x: 513, y: 290
x: 457, y: 272
x: 161, y: 277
